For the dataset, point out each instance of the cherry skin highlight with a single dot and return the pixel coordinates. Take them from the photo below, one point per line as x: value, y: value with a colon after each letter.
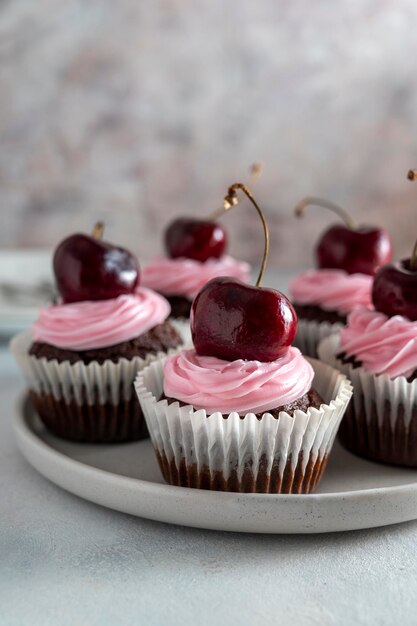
x: 195, y: 239
x: 394, y: 290
x: 231, y: 320
x: 362, y: 250
x: 87, y: 268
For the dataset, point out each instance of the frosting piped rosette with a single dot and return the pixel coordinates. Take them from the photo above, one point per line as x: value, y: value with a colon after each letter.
x: 384, y: 345
x: 185, y: 277
x: 332, y: 290
x: 241, y: 386
x: 97, y: 324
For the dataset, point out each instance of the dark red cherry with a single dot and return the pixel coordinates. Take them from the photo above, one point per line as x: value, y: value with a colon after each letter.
x: 356, y: 250
x: 361, y: 250
x: 87, y: 268
x: 394, y: 291
x: 231, y: 320
x: 195, y: 239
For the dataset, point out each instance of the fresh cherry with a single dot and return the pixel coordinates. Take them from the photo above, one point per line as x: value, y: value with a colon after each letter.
x: 195, y: 239
x: 231, y: 320
x: 87, y: 268
x: 200, y: 239
x: 361, y: 249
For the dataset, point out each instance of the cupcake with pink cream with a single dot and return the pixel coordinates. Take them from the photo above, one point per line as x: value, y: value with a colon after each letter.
x: 242, y: 425
x: 347, y: 257
x: 195, y: 253
x: 81, y: 356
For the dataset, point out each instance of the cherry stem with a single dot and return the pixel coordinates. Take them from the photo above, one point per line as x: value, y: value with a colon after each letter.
x: 98, y: 230
x: 301, y: 207
x: 412, y: 175
x: 255, y: 171
x: 232, y: 200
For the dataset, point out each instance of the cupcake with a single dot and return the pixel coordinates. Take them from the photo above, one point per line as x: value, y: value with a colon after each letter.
x: 82, y: 354
x: 243, y: 410
x: 347, y: 258
x: 378, y: 351
x: 195, y: 254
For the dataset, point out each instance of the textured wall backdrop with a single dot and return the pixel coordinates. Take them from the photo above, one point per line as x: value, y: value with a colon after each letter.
x: 137, y: 111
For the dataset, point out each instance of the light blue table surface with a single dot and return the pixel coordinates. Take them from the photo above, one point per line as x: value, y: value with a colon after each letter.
x: 67, y: 562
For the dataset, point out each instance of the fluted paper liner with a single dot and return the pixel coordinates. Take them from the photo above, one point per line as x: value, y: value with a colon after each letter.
x: 311, y: 332
x: 381, y: 421
x: 285, y: 455
x: 93, y: 402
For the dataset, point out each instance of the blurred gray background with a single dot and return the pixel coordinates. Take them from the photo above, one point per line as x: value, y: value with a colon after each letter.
x: 136, y: 111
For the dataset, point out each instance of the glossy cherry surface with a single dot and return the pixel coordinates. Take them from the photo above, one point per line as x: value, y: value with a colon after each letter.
x: 394, y: 290
x: 362, y: 250
x: 195, y: 239
x: 231, y: 320
x: 87, y: 268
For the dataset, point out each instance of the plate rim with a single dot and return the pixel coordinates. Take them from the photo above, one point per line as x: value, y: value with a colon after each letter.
x: 27, y: 437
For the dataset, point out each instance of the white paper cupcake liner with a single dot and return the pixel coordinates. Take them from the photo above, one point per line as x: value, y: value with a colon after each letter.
x: 310, y: 333
x: 285, y: 455
x: 381, y: 422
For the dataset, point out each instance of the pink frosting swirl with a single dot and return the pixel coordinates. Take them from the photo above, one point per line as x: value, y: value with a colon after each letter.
x: 186, y: 277
x: 97, y: 324
x: 213, y: 384
x: 333, y: 290
x: 384, y: 345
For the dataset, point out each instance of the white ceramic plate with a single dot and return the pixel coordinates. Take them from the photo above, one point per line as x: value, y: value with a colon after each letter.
x: 22, y: 275
x: 353, y: 493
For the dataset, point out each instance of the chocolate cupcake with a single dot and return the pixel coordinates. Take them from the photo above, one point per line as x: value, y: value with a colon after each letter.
x: 378, y: 353
x: 80, y: 361
x: 209, y: 432
x: 82, y: 355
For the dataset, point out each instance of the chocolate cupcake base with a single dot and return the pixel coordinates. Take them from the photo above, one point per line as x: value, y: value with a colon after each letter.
x: 100, y: 423
x: 253, y: 480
